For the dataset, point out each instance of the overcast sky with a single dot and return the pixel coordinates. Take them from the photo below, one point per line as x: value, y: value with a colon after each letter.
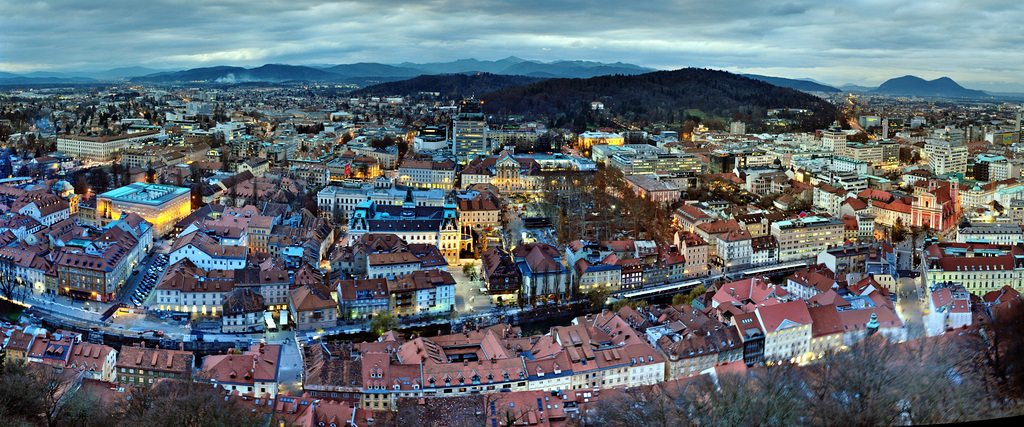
x: 978, y: 43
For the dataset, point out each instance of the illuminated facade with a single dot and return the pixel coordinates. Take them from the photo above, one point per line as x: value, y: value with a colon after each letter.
x: 427, y: 174
x: 590, y: 139
x: 469, y: 132
x: 161, y: 205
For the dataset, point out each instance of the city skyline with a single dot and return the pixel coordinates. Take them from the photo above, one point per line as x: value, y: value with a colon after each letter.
x: 855, y: 42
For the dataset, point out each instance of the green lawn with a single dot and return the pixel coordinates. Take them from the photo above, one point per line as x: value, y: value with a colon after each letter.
x: 10, y: 311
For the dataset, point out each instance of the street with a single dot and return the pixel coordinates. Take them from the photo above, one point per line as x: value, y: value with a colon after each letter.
x: 910, y: 304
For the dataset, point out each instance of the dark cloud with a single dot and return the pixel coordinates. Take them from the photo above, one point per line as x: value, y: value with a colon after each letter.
x: 859, y: 41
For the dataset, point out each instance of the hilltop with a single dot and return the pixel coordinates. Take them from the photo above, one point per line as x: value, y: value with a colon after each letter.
x: 658, y: 96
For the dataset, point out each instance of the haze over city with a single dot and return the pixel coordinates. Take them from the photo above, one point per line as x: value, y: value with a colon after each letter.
x: 859, y: 42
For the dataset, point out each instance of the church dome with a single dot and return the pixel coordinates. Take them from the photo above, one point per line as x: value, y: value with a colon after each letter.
x: 63, y: 188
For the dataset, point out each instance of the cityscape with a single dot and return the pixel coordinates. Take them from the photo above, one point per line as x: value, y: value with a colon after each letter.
x: 250, y: 237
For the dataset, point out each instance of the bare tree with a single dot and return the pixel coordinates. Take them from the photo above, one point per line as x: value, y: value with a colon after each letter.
x: 8, y: 286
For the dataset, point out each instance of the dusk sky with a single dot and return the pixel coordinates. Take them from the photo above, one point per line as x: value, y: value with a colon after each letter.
x: 977, y: 42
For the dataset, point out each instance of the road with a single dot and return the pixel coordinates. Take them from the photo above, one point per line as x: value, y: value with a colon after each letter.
x: 132, y: 284
x: 910, y: 304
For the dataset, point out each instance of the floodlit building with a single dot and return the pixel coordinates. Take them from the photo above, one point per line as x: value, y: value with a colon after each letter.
x: 100, y: 148
x: 469, y: 132
x: 161, y: 205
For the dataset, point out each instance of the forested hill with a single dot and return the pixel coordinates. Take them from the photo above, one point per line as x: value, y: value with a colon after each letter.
x: 450, y: 86
x: 661, y: 96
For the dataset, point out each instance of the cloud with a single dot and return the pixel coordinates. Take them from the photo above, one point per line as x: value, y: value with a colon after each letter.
x: 858, y: 41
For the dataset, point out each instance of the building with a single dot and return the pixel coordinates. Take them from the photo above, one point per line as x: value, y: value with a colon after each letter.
x: 695, y: 251
x: 691, y: 341
x: 160, y: 205
x: 342, y: 199
x: 734, y: 250
x: 242, y: 311
x: 361, y: 298
x: 186, y: 288
x: 651, y: 188
x: 427, y: 174
x: 95, y: 268
x: 438, y: 226
x: 482, y: 211
x: 203, y: 250
x: 544, y: 277
x: 423, y: 291
x: 254, y: 372
x: 827, y: 330
x: 979, y: 267
x: 946, y: 156
x: 867, y: 258
x: 64, y: 350
x: 312, y: 307
x: 469, y: 132
x: 787, y: 328
x: 589, y: 139
x: 998, y: 233
x: 949, y: 307
x: 833, y: 141
x: 803, y: 238
x: 654, y: 163
x: 101, y: 148
x: 142, y: 366
x: 590, y: 277
x: 501, y: 274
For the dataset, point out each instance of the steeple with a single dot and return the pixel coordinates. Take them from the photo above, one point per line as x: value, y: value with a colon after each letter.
x: 408, y: 203
x: 873, y: 324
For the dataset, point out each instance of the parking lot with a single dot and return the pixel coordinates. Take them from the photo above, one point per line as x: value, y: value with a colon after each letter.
x: 143, y: 280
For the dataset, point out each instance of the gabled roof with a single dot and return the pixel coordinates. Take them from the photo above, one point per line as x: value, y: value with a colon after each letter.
x: 779, y: 316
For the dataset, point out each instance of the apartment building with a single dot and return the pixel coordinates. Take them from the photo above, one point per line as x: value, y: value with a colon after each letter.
x: 802, y: 238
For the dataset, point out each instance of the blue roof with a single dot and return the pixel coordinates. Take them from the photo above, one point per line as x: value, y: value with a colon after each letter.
x: 144, y: 193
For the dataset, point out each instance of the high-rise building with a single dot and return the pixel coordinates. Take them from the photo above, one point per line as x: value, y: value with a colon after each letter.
x: 833, y: 140
x: 947, y: 153
x: 469, y: 133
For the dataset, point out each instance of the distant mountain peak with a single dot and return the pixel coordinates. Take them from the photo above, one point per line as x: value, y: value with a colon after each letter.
x: 942, y: 87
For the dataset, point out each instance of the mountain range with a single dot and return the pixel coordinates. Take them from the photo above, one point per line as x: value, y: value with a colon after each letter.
x: 943, y: 87
x: 448, y: 86
x: 798, y: 84
x: 353, y: 73
x: 369, y: 73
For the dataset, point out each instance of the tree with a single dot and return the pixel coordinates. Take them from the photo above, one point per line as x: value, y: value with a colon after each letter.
x: 469, y: 270
x: 384, y: 142
x: 9, y: 287
x: 597, y: 298
x: 179, y: 403
x: 617, y: 305
x: 688, y: 297
x: 382, y: 322
x: 898, y: 232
